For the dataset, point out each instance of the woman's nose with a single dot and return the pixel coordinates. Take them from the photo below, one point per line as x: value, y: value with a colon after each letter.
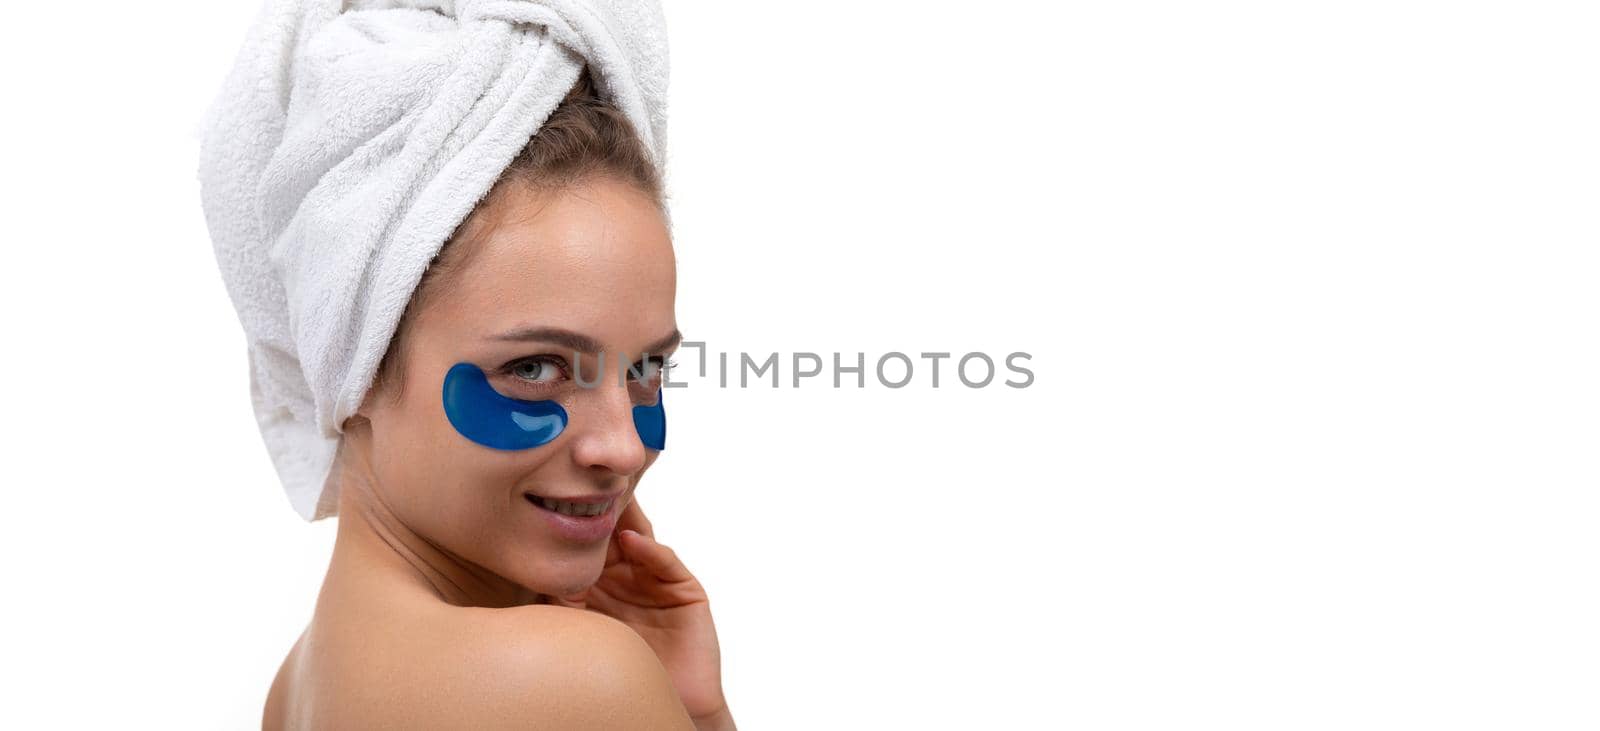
x: 605, y: 436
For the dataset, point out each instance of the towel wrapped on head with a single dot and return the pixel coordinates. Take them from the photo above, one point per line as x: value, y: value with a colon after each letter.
x: 350, y: 139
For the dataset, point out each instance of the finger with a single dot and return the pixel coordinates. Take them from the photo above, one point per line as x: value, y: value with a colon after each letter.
x: 613, y: 549
x: 632, y: 518
x: 575, y: 601
x: 659, y: 560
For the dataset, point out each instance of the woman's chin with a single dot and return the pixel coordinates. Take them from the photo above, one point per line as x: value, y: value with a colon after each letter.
x: 561, y: 577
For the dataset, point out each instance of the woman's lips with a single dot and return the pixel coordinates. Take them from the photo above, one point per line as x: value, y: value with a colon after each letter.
x: 587, y: 519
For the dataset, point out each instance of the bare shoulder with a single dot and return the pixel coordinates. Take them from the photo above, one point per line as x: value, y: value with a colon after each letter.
x: 551, y: 666
x: 414, y: 665
x: 275, y: 715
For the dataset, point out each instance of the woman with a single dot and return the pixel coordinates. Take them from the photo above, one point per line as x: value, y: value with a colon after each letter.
x: 460, y: 593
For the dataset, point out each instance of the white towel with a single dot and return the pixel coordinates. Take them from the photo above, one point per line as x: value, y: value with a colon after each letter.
x: 349, y: 140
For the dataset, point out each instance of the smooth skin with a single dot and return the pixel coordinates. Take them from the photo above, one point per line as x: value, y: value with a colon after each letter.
x: 449, y: 601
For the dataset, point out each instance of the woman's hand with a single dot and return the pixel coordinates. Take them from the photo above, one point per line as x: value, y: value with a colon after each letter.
x: 646, y: 587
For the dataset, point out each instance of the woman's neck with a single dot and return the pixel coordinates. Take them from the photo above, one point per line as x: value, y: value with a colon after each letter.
x: 373, y: 543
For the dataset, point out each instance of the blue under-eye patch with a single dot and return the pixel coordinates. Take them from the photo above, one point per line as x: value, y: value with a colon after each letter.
x: 481, y: 414
x: 651, y: 422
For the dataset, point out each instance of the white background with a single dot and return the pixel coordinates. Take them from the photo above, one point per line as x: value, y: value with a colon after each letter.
x: 1310, y: 290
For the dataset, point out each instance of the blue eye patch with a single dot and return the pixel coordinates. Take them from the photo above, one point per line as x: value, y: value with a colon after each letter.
x: 483, y: 415
x: 651, y: 422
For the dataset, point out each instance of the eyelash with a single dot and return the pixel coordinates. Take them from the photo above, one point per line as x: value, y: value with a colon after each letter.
x: 663, y: 364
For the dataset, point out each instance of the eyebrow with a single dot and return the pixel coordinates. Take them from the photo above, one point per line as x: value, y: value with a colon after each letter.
x: 578, y: 341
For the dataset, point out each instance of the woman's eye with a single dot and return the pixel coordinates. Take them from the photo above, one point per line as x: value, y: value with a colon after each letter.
x: 538, y: 371
x: 646, y: 371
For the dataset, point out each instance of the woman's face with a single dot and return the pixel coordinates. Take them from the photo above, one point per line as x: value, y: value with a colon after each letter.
x: 593, y: 263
